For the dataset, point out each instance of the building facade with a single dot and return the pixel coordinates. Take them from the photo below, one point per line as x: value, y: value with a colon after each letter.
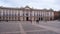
x: 57, y: 15
x: 25, y: 14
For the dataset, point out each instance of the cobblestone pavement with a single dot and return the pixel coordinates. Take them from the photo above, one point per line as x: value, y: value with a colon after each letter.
x: 24, y: 27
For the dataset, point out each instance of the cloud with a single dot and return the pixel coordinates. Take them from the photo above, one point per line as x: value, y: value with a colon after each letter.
x: 32, y: 3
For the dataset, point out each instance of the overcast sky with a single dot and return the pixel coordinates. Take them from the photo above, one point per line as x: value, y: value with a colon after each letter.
x: 54, y: 4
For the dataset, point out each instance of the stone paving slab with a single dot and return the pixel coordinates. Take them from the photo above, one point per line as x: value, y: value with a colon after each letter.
x: 14, y: 27
x: 9, y: 27
x: 43, y: 32
x: 29, y: 27
x: 16, y: 32
x: 10, y: 33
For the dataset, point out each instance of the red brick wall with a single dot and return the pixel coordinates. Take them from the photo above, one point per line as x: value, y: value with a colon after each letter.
x: 56, y: 14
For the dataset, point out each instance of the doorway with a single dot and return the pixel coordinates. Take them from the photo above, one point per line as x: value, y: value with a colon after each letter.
x: 27, y: 19
x: 39, y: 19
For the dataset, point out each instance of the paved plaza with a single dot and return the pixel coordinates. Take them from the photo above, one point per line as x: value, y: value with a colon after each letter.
x: 27, y: 27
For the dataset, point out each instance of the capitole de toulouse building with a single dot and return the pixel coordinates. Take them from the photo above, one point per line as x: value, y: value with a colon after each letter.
x: 25, y: 14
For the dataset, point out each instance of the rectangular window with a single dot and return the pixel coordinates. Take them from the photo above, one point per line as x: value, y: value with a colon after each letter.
x: 21, y: 13
x: 32, y: 13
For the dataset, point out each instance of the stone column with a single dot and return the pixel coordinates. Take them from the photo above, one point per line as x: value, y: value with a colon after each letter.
x: 52, y: 15
x: 40, y: 15
x: 49, y: 16
x: 43, y: 16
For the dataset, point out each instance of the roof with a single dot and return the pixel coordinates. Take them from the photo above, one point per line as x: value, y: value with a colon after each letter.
x: 26, y: 8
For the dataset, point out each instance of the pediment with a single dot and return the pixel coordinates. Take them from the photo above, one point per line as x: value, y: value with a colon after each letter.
x: 27, y: 7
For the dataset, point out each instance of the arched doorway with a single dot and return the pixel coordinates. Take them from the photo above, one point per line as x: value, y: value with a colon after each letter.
x: 39, y: 18
x: 18, y: 18
x: 27, y: 19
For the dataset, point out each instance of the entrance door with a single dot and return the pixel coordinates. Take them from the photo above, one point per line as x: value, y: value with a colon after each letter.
x: 27, y: 19
x: 18, y: 18
x: 39, y: 19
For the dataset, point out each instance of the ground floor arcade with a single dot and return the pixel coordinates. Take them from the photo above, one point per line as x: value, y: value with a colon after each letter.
x: 25, y: 18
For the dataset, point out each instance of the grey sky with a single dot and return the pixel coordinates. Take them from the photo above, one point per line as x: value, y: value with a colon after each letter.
x: 54, y: 4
